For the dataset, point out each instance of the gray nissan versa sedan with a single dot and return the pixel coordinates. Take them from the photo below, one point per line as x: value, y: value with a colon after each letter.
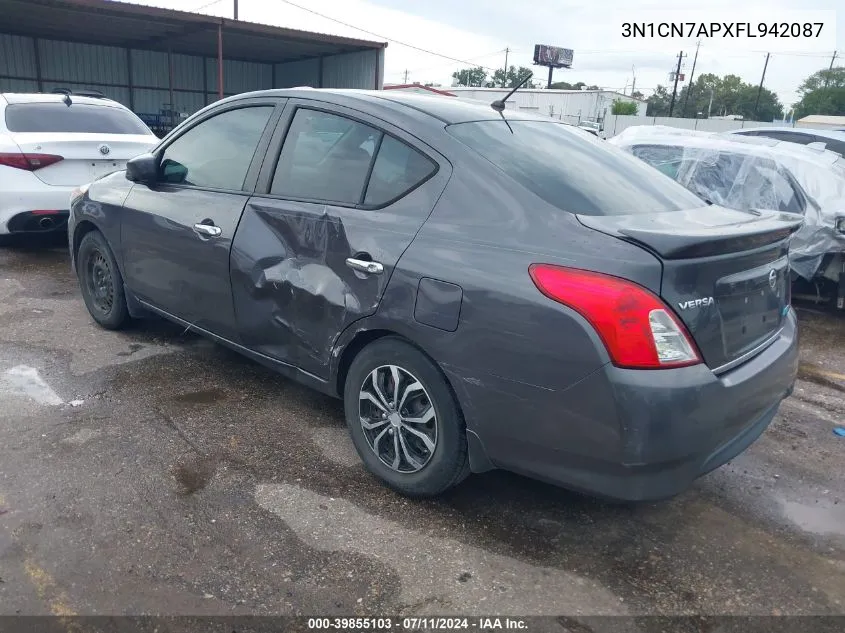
x: 482, y: 290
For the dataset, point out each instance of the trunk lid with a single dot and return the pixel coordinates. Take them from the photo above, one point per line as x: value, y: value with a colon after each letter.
x: 87, y: 157
x: 725, y: 273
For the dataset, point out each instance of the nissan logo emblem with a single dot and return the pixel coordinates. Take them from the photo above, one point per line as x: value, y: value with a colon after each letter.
x: 104, y: 150
x: 773, y: 279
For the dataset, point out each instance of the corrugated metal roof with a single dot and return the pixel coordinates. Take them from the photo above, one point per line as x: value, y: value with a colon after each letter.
x: 110, y: 23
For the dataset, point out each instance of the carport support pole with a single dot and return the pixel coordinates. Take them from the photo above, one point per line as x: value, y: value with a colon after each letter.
x: 220, y: 60
x: 170, y: 84
x: 38, y: 79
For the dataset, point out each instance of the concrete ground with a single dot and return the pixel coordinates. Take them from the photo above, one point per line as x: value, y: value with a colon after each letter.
x: 152, y: 472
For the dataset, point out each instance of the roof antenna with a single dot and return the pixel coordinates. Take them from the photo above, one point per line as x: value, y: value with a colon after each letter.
x: 66, y: 94
x: 499, y: 104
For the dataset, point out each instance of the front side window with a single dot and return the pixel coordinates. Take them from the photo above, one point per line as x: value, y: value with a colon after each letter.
x: 325, y: 157
x: 217, y: 152
x: 573, y: 170
x: 77, y: 118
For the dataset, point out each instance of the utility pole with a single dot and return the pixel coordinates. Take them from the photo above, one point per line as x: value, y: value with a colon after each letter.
x: 830, y: 68
x: 634, y: 84
x: 710, y: 105
x: 236, y: 9
x: 406, y: 77
x: 675, y: 88
x: 691, y: 75
x: 505, y: 76
x: 760, y: 87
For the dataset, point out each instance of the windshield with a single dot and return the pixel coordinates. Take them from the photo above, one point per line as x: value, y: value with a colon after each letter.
x: 573, y: 170
x: 79, y: 118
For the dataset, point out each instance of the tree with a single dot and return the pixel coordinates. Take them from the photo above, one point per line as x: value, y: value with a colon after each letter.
x: 658, y: 102
x: 637, y: 95
x: 623, y: 107
x: 470, y: 77
x: 562, y: 85
x: 731, y: 95
x: 823, y: 92
x: 514, y: 76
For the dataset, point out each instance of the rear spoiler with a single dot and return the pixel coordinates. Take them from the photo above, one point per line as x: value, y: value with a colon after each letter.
x: 680, y: 235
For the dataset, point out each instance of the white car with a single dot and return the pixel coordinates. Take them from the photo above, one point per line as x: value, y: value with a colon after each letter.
x: 832, y: 139
x: 52, y: 143
x: 754, y: 172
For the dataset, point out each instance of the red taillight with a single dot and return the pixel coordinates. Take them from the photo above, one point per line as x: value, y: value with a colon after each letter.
x: 637, y: 328
x: 29, y: 162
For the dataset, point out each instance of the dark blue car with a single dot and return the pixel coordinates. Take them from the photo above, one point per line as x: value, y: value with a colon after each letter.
x: 482, y: 290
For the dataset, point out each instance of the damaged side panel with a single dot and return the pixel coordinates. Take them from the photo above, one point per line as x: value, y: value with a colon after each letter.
x: 292, y: 288
x: 289, y: 279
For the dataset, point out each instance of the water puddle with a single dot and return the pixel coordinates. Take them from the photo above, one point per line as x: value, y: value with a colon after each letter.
x: 823, y: 517
x: 23, y: 380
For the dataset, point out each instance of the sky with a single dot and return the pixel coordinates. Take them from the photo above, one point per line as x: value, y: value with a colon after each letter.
x: 477, y: 32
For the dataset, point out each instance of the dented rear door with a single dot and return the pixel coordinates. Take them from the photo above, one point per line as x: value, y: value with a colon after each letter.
x: 345, y: 186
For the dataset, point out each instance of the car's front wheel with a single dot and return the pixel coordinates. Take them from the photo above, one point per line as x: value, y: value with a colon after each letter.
x: 404, y: 420
x: 101, y: 282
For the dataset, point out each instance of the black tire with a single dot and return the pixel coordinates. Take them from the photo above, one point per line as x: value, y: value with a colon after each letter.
x: 101, y: 282
x: 441, y: 468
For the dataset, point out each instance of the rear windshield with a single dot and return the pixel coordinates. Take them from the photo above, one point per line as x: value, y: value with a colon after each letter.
x: 77, y: 118
x: 574, y: 170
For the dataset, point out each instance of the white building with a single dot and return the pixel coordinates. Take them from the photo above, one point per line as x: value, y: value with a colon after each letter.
x: 571, y: 106
x: 822, y: 122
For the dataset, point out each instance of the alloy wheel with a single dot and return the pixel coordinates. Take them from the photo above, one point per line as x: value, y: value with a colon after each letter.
x: 398, y: 418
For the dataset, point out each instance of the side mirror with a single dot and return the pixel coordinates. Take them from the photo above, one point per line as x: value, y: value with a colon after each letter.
x: 143, y: 169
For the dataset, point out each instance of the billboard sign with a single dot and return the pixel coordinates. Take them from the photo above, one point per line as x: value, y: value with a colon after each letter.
x: 553, y: 56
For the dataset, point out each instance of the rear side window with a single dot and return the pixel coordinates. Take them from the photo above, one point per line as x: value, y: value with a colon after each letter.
x: 78, y: 118
x: 398, y: 169
x: 325, y: 157
x: 572, y: 170
x: 217, y: 152
x: 330, y: 158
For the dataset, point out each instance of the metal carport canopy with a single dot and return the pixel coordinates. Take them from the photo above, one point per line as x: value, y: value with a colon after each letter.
x: 125, y: 25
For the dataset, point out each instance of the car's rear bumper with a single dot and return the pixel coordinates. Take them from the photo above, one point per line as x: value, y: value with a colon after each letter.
x: 637, y: 435
x: 16, y: 208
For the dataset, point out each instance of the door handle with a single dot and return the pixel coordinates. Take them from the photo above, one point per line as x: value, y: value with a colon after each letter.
x: 208, y: 230
x: 365, y: 266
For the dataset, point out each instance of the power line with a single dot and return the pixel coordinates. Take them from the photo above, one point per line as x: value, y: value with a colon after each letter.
x: 206, y: 5
x: 419, y: 69
x: 382, y: 37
